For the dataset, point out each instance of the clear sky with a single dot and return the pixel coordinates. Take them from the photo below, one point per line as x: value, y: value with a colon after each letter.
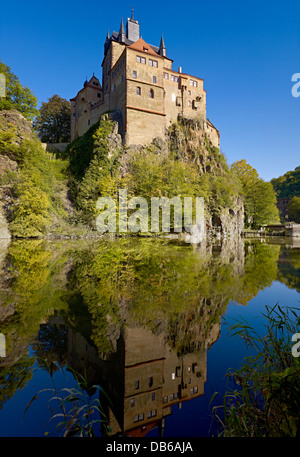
x: 246, y: 51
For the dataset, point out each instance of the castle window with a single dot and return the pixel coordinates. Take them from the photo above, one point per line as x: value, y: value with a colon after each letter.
x: 138, y: 91
x: 189, y: 92
x: 165, y: 399
x: 189, y: 103
x: 138, y: 417
x: 137, y: 384
x: 151, y: 413
x: 154, y: 79
x: 166, y: 75
x: 193, y: 83
x: 134, y: 74
x: 122, y: 78
x: 99, y: 94
x: 153, y: 63
x: 115, y: 88
x: 145, y: 49
x: 140, y: 59
x: 153, y: 396
x: 151, y: 93
x: 150, y: 381
x: 132, y: 402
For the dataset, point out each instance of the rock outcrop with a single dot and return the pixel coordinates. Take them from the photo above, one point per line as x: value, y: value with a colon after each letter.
x: 13, y: 118
x: 4, y: 228
x: 190, y: 140
x: 10, y: 119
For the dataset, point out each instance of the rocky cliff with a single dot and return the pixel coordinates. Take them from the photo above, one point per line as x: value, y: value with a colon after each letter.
x: 10, y: 121
x: 189, y: 141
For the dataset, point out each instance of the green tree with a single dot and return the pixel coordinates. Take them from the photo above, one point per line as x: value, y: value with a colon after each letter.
x: 259, y: 196
x: 294, y: 209
x: 288, y: 185
x: 17, y: 97
x: 53, y: 120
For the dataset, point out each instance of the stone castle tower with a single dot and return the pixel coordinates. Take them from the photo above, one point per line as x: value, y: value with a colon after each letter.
x: 140, y: 90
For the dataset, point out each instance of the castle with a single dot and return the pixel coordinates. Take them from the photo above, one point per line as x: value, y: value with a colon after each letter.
x: 140, y: 90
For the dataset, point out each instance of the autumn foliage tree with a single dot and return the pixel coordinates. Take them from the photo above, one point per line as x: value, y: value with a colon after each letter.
x: 53, y: 120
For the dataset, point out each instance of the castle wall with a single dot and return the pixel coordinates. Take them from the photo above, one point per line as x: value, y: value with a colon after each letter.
x: 212, y: 133
x: 143, y: 126
x: 116, y: 51
x: 81, y: 107
x: 145, y: 114
x: 118, y: 91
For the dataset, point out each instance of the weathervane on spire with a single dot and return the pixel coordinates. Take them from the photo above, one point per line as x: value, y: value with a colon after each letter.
x: 132, y: 13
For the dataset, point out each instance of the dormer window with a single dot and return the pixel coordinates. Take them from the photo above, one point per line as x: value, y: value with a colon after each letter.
x: 145, y: 49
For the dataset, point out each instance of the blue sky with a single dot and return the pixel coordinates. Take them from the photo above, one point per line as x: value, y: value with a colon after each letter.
x: 245, y: 51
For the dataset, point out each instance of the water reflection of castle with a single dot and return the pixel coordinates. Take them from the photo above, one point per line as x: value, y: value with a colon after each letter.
x: 144, y: 378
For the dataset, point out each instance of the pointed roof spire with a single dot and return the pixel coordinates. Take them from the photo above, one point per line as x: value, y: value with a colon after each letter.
x: 132, y: 14
x: 107, y: 41
x: 162, y: 47
x: 122, y: 32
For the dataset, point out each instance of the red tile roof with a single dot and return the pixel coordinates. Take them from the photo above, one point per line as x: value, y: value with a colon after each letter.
x: 142, y: 46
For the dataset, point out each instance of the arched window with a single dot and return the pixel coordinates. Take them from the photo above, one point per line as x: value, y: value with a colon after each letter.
x: 138, y: 91
x: 151, y: 93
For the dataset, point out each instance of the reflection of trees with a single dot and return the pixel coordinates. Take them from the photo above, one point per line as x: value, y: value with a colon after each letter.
x: 32, y: 291
x: 260, y: 270
x: 12, y: 376
x: 35, y: 289
x: 165, y: 286
x: 289, y: 267
x: 51, y: 343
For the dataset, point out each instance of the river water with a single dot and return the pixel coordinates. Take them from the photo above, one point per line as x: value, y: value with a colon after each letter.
x: 147, y: 320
